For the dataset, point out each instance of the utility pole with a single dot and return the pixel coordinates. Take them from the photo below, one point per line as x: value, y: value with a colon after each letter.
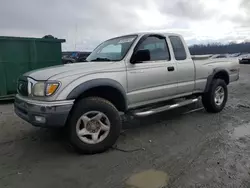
x: 75, y: 36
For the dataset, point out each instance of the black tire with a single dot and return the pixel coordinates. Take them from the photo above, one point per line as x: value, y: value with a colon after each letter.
x: 208, y: 98
x: 94, y: 104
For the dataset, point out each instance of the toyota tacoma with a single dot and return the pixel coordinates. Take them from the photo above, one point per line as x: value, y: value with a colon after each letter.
x: 139, y: 74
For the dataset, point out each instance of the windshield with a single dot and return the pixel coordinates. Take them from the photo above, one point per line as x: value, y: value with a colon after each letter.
x: 113, y: 49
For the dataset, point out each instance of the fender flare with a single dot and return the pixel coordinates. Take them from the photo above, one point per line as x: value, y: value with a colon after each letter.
x: 80, y: 89
x: 212, y: 76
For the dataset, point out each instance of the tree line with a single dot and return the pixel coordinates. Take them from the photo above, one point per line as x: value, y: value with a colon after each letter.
x: 218, y: 48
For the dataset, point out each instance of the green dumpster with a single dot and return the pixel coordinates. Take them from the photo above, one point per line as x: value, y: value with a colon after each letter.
x: 19, y: 55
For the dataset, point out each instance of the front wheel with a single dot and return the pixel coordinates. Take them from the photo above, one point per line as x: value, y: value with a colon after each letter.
x: 94, y: 125
x: 215, y: 99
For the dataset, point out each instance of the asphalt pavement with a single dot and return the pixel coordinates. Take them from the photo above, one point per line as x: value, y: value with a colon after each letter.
x: 180, y: 148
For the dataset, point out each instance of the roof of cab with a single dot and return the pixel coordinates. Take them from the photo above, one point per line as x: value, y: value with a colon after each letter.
x: 154, y: 33
x: 140, y: 34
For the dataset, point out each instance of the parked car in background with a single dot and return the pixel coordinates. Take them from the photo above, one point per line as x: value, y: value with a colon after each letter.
x: 218, y: 56
x: 139, y: 74
x: 234, y: 55
x: 244, y: 58
x: 74, y: 57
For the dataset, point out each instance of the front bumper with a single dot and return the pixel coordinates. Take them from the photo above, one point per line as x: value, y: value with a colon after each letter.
x: 41, y: 113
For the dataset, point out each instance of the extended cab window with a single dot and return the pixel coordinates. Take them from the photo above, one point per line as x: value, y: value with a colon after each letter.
x: 157, y: 47
x: 178, y: 48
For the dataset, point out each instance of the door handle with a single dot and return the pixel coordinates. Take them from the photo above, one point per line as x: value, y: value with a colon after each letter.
x: 170, y: 68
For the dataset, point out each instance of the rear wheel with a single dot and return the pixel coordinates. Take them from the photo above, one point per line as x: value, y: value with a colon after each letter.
x: 215, y: 99
x: 94, y: 125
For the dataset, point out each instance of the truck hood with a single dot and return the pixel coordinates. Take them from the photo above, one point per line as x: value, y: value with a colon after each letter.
x: 59, y: 71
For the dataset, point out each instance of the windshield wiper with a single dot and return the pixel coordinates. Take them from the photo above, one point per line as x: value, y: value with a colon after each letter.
x: 101, y: 59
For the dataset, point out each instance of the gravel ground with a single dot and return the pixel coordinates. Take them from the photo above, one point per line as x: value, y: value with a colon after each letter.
x: 191, y: 149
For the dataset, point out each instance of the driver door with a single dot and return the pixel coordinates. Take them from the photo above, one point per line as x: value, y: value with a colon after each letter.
x: 154, y: 80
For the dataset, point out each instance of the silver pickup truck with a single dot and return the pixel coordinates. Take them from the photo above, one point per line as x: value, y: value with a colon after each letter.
x: 140, y: 74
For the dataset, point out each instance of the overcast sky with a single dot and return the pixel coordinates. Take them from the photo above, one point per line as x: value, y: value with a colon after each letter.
x: 85, y: 23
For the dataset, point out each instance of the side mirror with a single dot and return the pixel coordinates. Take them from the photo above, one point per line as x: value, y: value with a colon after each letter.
x: 140, y: 56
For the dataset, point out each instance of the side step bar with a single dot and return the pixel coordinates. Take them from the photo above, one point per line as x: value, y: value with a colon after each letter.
x: 164, y: 108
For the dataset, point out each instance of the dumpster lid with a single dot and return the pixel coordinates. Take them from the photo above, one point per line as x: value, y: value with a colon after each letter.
x: 46, y: 38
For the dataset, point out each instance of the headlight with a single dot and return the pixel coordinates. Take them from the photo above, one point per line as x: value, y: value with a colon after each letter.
x: 38, y: 89
x: 41, y: 89
x: 51, y: 88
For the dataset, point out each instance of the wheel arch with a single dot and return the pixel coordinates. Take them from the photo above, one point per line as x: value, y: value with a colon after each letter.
x: 217, y: 74
x: 108, y: 89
